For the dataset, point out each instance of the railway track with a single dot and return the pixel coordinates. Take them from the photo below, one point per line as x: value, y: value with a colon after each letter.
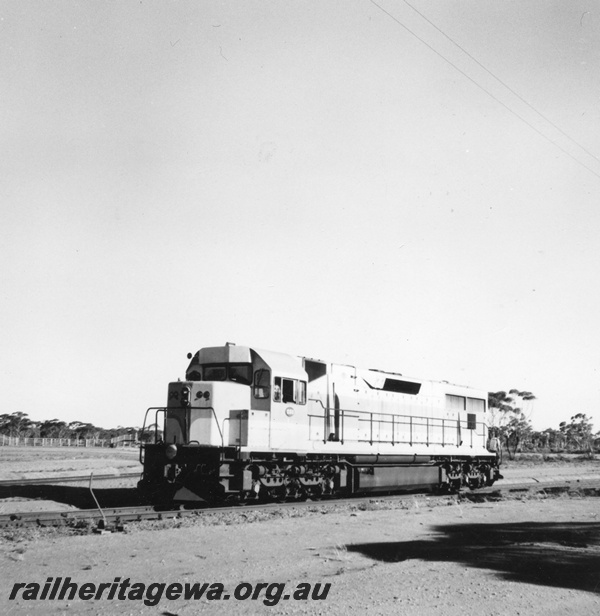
x: 61, y: 480
x: 113, y: 518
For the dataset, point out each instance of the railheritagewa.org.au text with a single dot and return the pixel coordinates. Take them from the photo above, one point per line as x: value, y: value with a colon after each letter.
x: 151, y: 594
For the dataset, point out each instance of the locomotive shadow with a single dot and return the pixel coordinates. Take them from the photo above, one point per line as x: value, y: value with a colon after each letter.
x: 79, y: 497
x: 565, y: 555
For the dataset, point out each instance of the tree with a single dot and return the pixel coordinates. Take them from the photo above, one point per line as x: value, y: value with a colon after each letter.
x: 579, y: 433
x: 81, y: 430
x: 526, y: 399
x: 53, y: 428
x: 512, y: 421
x: 499, y: 405
x: 150, y: 433
x: 515, y: 432
x: 552, y: 440
x: 15, y: 424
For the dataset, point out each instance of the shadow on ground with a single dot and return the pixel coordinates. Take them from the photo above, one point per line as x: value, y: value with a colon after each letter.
x: 563, y: 555
x: 79, y: 497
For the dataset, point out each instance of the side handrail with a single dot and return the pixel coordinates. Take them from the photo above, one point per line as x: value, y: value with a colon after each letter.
x: 412, y: 422
x: 228, y: 419
x: 214, y: 415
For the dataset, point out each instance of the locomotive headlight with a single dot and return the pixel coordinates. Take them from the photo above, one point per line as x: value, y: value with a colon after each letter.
x: 171, y: 451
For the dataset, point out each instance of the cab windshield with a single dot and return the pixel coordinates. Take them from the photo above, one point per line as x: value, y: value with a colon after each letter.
x: 238, y: 373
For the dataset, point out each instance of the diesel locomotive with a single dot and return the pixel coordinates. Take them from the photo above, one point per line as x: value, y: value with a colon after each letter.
x: 248, y: 424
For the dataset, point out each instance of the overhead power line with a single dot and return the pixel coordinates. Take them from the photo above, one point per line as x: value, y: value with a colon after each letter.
x: 487, y: 70
x: 490, y: 94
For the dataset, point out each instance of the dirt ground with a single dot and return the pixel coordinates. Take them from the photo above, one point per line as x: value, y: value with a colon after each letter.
x: 32, y: 462
x: 451, y: 557
x: 529, y: 557
x: 39, y: 462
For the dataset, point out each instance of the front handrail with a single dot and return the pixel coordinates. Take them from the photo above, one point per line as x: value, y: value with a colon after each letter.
x: 163, y: 409
x: 157, y: 409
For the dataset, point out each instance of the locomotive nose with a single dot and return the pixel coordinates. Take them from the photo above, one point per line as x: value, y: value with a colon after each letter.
x: 189, y: 394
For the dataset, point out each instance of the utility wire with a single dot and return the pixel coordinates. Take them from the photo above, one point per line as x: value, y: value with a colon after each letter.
x: 435, y: 51
x: 501, y: 82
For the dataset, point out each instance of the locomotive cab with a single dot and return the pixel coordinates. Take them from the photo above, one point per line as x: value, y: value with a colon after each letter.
x: 234, y: 400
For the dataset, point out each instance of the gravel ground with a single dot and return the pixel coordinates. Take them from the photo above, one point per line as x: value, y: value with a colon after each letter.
x: 450, y: 557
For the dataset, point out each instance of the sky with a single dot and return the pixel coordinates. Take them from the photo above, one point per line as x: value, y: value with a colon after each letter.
x: 412, y: 187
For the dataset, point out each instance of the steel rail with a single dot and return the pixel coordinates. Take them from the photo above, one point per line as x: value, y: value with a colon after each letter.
x: 67, y: 479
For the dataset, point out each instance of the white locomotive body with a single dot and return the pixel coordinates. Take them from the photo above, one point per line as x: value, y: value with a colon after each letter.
x: 249, y: 424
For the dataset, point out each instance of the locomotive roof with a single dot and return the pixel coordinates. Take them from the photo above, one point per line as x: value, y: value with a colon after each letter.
x: 281, y: 363
x: 284, y: 365
x: 291, y: 366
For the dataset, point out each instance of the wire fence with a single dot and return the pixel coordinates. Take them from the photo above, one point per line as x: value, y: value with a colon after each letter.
x: 19, y: 441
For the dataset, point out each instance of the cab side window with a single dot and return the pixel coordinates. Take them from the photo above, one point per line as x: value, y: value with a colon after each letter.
x: 301, y: 392
x: 289, y: 390
x: 277, y: 389
x: 262, y: 383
